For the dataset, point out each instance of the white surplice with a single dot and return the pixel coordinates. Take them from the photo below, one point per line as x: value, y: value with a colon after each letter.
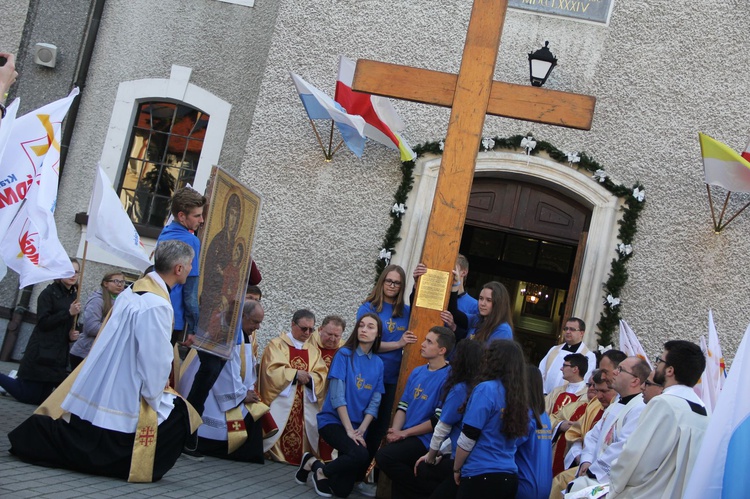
x: 658, y: 458
x: 553, y: 361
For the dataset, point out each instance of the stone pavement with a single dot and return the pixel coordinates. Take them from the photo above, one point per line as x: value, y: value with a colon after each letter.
x: 210, y: 478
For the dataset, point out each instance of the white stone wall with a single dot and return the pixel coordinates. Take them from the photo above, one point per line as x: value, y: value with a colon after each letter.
x: 662, y: 71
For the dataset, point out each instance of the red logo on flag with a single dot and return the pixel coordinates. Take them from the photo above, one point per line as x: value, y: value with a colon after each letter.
x: 28, y: 243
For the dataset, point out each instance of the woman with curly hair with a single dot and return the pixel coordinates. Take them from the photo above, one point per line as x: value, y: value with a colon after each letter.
x: 435, y: 468
x: 496, y: 416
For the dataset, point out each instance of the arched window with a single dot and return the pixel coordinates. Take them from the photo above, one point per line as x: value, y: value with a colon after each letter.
x: 165, y: 144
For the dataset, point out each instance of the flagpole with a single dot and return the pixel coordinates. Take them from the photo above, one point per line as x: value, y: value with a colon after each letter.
x: 724, y: 208
x: 735, y: 215
x: 320, y: 141
x: 711, y: 205
x: 329, y: 156
x: 337, y: 147
x: 80, y: 280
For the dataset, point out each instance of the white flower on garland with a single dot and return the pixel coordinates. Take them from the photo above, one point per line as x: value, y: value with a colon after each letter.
x: 639, y: 194
x: 573, y: 157
x: 625, y: 249
x: 605, y: 349
x: 441, y: 145
x: 600, y: 176
x: 488, y: 143
x: 613, y: 302
x: 385, y: 255
x: 399, y: 209
x: 528, y: 143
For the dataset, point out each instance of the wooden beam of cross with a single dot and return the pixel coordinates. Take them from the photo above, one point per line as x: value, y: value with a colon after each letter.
x: 471, y: 95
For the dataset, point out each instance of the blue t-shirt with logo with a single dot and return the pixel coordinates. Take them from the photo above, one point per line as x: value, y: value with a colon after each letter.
x: 493, y: 451
x: 503, y: 330
x: 421, y: 397
x: 362, y: 376
x: 534, y: 460
x: 393, y: 329
x: 449, y: 413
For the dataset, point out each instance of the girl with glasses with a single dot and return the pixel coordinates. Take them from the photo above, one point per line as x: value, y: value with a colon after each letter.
x: 97, y: 307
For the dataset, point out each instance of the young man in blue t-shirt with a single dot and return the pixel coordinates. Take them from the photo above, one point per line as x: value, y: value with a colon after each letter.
x: 416, y: 416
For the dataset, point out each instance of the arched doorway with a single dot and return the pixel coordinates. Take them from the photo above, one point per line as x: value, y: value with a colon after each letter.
x: 594, y: 249
x: 531, y: 238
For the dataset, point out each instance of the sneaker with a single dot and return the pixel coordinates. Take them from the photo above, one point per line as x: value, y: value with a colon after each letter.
x: 302, y: 474
x: 321, y: 485
x: 367, y: 489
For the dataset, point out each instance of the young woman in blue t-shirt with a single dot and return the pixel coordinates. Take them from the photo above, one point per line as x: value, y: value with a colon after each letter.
x: 495, y: 318
x: 387, y: 301
x: 534, y: 456
x: 355, y: 387
x: 494, y: 420
x: 434, y: 468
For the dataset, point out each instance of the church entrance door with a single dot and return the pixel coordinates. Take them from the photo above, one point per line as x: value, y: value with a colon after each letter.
x: 531, y: 238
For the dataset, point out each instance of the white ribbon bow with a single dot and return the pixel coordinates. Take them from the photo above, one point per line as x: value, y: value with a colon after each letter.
x: 488, y: 143
x: 573, y: 157
x: 528, y: 143
x: 639, y: 194
x: 613, y: 302
x: 600, y: 175
x: 625, y: 249
x: 385, y: 255
x: 441, y: 145
x: 399, y: 209
x: 605, y: 349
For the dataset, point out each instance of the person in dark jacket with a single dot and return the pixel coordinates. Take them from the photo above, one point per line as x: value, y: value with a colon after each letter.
x: 45, y: 362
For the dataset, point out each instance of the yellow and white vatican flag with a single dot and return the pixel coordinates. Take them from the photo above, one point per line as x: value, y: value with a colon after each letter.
x: 723, y: 166
x: 110, y: 227
x: 630, y: 345
x: 31, y: 163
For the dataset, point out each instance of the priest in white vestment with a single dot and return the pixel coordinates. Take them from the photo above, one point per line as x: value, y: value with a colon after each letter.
x: 659, y: 456
x: 114, y: 415
x: 573, y: 370
x: 573, y: 333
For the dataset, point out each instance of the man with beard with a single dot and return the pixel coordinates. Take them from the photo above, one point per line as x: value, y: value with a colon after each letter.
x: 658, y: 458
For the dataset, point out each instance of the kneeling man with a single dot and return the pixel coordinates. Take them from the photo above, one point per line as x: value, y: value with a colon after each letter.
x: 114, y: 415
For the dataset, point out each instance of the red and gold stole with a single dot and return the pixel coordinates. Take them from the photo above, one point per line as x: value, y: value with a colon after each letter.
x: 292, y: 440
x: 560, y: 447
x: 562, y: 400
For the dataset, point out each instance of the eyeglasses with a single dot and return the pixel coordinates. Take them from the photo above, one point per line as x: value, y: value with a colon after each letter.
x: 659, y: 359
x: 653, y: 383
x: 392, y: 283
x: 567, y: 365
x: 619, y: 369
x: 571, y: 329
x: 305, y: 329
x: 119, y: 282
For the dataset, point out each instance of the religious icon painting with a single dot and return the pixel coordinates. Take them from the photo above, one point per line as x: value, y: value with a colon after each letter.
x: 231, y: 219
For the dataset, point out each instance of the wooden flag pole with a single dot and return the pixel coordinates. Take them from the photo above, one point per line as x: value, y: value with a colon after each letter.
x: 723, y: 209
x: 320, y: 141
x: 78, y: 290
x: 734, y: 216
x: 711, y: 206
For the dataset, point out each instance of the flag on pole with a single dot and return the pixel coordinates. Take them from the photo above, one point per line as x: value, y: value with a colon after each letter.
x: 6, y: 127
x: 30, y: 246
x: 722, y: 166
x: 110, y: 228
x: 746, y: 152
x: 720, y: 470
x: 699, y: 388
x: 319, y: 106
x: 6, y: 215
x: 383, y: 123
x: 715, y: 373
x: 630, y: 345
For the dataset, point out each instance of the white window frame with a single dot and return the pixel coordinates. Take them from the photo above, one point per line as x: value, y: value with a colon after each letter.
x: 177, y: 88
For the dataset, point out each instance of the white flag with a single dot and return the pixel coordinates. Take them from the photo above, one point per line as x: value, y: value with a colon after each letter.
x: 715, y: 369
x: 110, y: 228
x: 630, y: 345
x: 700, y: 387
x: 720, y: 469
x: 30, y: 246
x: 5, y: 130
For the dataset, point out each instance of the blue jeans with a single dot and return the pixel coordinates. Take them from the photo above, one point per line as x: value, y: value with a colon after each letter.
x: 26, y: 391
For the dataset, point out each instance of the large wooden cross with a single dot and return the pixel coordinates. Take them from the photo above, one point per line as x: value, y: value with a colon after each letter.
x: 471, y: 95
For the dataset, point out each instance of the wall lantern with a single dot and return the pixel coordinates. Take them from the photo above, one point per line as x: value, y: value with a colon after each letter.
x: 541, y: 63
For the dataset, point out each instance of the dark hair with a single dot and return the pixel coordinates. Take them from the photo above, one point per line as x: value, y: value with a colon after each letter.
x: 302, y: 313
x: 687, y: 360
x: 535, y: 387
x: 335, y: 319
x: 504, y: 361
x: 466, y: 364
x: 501, y: 311
x: 597, y: 376
x: 641, y: 369
x: 580, y: 361
x: 581, y: 324
x: 254, y: 290
x: 233, y: 202
x: 186, y: 199
x: 615, y: 356
x: 445, y: 338
x: 353, y: 341
x: 376, y: 296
